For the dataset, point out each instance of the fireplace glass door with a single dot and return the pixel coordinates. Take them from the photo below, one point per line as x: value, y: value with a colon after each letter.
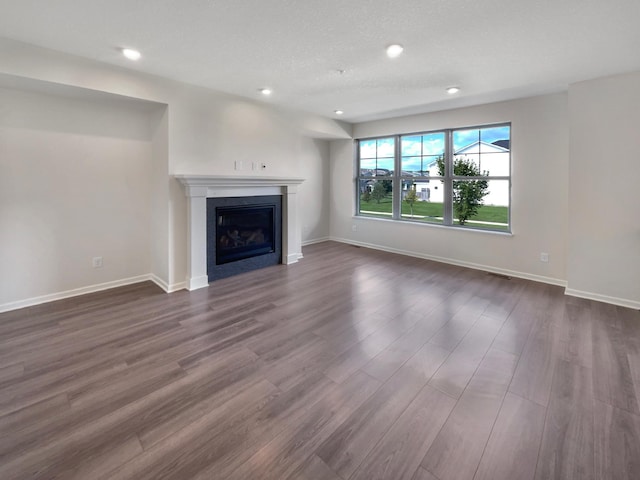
x: 243, y: 232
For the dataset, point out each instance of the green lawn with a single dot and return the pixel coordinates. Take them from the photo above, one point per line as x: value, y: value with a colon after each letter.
x: 432, y: 212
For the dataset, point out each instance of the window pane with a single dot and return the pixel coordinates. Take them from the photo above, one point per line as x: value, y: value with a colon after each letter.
x: 411, y: 146
x: 367, y: 149
x: 495, y: 139
x: 377, y: 157
x: 419, y: 152
x: 468, y: 165
x: 481, y: 204
x: 367, y: 167
x: 385, y: 167
x: 386, y: 147
x: 495, y: 164
x: 432, y: 165
x: 422, y: 200
x: 433, y: 144
x: 482, y: 151
x: 465, y: 141
x: 376, y: 197
x: 411, y: 166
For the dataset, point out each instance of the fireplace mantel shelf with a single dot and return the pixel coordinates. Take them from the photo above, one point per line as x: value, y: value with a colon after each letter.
x: 230, y: 181
x: 200, y: 187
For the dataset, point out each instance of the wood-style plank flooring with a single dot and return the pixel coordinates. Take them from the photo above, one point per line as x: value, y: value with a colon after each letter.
x: 351, y: 365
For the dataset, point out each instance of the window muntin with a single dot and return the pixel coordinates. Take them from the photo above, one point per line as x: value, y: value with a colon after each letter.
x: 437, y: 175
x: 478, y: 146
x: 419, y: 152
x: 377, y: 157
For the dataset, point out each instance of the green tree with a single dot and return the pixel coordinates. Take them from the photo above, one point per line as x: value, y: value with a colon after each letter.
x: 467, y: 194
x: 379, y: 192
x: 366, y: 196
x: 411, y: 197
x: 388, y: 185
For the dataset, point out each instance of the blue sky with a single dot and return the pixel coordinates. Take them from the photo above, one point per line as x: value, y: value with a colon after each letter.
x: 429, y: 145
x: 462, y: 138
x: 382, y: 148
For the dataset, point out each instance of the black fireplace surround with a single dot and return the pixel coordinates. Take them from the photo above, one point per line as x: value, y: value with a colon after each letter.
x: 243, y: 234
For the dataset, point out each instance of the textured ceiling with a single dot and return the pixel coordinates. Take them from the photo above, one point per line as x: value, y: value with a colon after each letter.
x: 493, y: 49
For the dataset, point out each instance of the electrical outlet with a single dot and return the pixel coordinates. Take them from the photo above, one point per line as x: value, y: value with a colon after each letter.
x: 354, y: 228
x: 238, y: 164
x: 254, y: 165
x: 97, y: 262
x: 544, y: 257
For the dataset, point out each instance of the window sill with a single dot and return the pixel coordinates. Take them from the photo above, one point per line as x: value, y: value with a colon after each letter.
x: 456, y: 228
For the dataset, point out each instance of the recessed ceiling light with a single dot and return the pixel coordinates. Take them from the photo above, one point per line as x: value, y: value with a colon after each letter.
x: 265, y: 91
x: 338, y: 112
x: 394, y: 50
x: 452, y: 90
x: 131, y: 54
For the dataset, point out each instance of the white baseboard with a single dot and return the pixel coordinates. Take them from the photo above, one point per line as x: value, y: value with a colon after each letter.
x: 28, y: 302
x: 174, y: 287
x: 165, y: 286
x: 169, y: 288
x: 291, y: 258
x: 622, y: 302
x: 315, y: 240
x: 195, y: 283
x: 459, y: 263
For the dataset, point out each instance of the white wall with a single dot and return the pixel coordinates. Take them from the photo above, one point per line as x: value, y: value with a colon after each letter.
x: 539, y: 200
x: 604, y: 175
x: 209, y: 132
x: 159, y: 241
x: 74, y: 184
x: 314, y: 191
x: 193, y: 131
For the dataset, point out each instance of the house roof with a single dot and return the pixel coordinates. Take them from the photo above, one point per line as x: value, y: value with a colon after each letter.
x: 506, y: 144
x: 486, y: 147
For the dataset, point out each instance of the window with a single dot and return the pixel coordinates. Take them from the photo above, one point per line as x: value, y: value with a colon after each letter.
x: 456, y: 177
x: 376, y: 173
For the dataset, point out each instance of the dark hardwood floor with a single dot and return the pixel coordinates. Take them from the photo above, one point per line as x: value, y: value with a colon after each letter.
x: 352, y: 364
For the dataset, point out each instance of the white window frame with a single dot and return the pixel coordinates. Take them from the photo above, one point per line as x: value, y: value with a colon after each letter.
x: 447, y: 180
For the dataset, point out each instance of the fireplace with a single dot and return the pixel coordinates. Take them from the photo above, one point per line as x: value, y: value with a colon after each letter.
x: 200, y: 188
x: 243, y: 234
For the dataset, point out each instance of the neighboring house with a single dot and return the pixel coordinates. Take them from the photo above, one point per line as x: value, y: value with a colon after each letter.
x: 490, y: 157
x: 375, y: 174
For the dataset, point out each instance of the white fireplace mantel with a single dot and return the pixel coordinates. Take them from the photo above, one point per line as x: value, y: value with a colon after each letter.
x: 200, y: 187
